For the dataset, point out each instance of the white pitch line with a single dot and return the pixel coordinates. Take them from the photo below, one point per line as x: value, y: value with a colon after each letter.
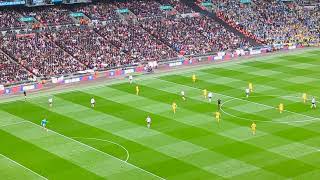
x: 90, y: 147
x: 284, y: 122
x: 104, y: 140
x: 241, y: 99
x: 15, y: 162
x: 5, y: 125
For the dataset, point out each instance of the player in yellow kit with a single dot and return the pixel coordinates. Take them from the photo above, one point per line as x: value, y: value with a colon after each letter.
x: 304, y: 97
x: 253, y: 128
x: 250, y: 87
x: 281, y: 107
x: 174, y: 107
x: 205, y: 93
x: 218, y: 117
x: 137, y: 90
x: 194, y: 78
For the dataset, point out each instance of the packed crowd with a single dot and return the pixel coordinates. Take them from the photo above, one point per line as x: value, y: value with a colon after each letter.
x: 177, y: 5
x: 136, y: 42
x: 310, y: 16
x: 193, y: 35
x: 39, y: 55
x: 272, y: 21
x: 10, y: 71
x: 152, y: 36
x: 9, y: 19
x: 49, y: 16
x: 90, y: 48
x: 99, y: 11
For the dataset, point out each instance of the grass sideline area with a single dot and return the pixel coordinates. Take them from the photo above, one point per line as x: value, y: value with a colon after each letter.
x: 111, y: 140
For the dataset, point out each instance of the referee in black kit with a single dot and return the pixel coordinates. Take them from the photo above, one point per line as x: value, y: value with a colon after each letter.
x: 219, y: 104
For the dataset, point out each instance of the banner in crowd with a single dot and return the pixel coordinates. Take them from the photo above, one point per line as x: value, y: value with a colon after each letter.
x: 1, y: 89
x: 72, y: 80
x: 178, y: 62
x: 78, y: 79
x: 119, y: 72
x: 12, y: 3
x: 20, y: 88
x: 56, y: 80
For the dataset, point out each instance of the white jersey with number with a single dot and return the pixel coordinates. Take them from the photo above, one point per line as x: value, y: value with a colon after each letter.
x: 93, y: 101
x: 210, y: 95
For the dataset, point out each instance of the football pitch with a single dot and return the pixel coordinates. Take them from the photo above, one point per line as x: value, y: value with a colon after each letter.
x: 112, y: 141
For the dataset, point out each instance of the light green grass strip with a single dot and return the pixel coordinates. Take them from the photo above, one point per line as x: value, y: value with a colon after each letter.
x: 14, y: 170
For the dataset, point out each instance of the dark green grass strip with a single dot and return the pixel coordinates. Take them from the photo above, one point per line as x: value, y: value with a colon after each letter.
x: 280, y: 68
x: 72, y: 128
x: 301, y: 59
x: 41, y: 161
x: 256, y: 79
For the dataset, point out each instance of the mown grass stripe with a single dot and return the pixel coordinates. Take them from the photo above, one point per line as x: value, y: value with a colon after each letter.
x: 136, y: 116
x: 103, y: 159
x: 158, y: 95
x: 15, y: 170
x: 41, y: 161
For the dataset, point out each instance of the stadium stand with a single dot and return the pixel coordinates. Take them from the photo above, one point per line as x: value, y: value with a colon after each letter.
x: 269, y: 21
x: 136, y: 42
x: 39, y: 54
x: 50, y: 15
x: 105, y: 39
x: 9, y: 19
x: 11, y: 72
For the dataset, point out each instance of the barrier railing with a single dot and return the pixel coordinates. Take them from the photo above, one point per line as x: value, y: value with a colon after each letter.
x: 180, y: 61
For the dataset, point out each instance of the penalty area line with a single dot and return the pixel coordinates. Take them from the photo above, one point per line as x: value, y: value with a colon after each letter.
x: 242, y: 99
x: 104, y: 140
x: 97, y: 150
x: 15, y: 162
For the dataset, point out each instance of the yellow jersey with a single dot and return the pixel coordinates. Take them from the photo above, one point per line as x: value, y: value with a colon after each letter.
x: 281, y: 106
x: 137, y: 88
x: 253, y: 126
x: 205, y: 92
x: 304, y: 95
x: 174, y: 106
x: 194, y: 77
x: 250, y: 86
x: 218, y: 115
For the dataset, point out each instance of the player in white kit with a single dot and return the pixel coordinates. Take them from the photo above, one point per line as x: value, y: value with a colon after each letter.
x: 130, y: 79
x: 210, y: 96
x: 148, y: 121
x: 50, y: 100
x: 183, y: 95
x: 313, y: 103
x: 247, y: 92
x: 93, y: 102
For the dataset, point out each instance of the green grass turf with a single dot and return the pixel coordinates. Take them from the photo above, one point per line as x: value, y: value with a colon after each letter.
x: 111, y: 141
